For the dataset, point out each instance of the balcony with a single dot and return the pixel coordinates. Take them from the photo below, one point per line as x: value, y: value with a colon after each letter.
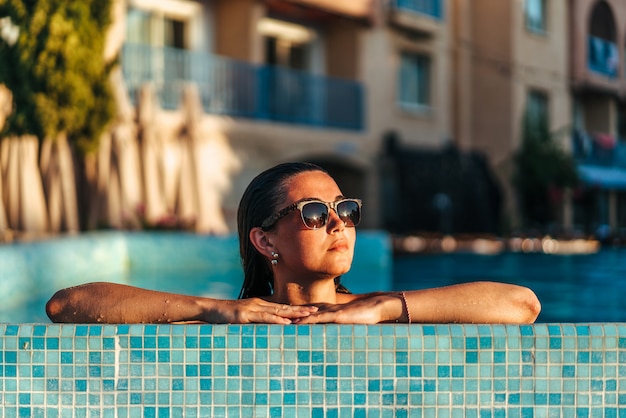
x: 241, y: 89
x: 598, y: 150
x: 602, y: 57
x: 421, y: 17
x: 601, y: 160
x: 429, y: 8
x: 357, y: 9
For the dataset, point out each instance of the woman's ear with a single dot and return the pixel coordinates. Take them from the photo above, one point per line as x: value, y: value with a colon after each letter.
x: 261, y: 241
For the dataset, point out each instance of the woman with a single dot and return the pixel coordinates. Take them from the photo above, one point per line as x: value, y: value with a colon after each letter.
x: 297, y: 236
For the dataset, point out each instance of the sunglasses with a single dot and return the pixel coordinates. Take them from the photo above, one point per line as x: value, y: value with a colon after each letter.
x: 315, y: 213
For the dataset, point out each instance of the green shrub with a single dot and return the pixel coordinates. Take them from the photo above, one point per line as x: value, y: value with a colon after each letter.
x: 56, y: 69
x: 541, y: 166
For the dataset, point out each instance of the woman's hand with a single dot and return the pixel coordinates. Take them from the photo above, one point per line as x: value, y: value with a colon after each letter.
x: 256, y: 310
x: 367, y: 309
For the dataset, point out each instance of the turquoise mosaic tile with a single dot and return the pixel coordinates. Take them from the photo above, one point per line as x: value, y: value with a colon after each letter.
x: 320, y: 371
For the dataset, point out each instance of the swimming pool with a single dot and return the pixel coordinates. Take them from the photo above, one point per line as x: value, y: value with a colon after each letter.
x: 571, y: 288
x: 389, y: 370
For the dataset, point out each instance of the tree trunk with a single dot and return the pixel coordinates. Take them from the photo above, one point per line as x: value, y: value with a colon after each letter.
x: 151, y: 150
x: 32, y: 202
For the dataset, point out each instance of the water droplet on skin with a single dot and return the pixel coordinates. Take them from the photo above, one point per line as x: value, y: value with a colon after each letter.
x: 167, y: 301
x: 99, y: 319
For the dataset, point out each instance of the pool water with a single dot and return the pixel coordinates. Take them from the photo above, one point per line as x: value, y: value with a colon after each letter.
x: 571, y: 288
x: 575, y: 288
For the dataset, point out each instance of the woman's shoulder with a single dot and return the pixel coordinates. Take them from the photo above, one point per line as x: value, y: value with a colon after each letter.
x: 346, y: 297
x: 349, y: 297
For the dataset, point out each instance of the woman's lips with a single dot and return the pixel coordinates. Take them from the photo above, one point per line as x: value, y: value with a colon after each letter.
x: 339, y: 246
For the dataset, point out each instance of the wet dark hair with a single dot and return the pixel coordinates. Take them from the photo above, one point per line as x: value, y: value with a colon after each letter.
x: 261, y: 199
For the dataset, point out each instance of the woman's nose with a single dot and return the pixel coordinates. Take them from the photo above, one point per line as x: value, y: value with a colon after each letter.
x: 334, y: 221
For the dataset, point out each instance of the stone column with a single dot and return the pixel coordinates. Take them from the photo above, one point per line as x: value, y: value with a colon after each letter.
x: 613, y: 210
x: 568, y: 213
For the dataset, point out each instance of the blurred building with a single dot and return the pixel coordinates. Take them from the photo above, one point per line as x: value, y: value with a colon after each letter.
x: 327, y: 81
x: 301, y: 80
x: 511, y: 58
x: 597, y: 32
x: 562, y: 61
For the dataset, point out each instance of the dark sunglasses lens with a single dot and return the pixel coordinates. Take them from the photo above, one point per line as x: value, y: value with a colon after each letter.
x: 314, y: 215
x: 349, y: 212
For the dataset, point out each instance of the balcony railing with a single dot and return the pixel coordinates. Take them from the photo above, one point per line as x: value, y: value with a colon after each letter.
x: 599, y: 150
x: 431, y: 8
x: 603, y: 56
x: 242, y: 89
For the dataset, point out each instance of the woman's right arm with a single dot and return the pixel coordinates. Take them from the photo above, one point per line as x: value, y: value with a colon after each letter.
x: 473, y: 302
x: 111, y: 303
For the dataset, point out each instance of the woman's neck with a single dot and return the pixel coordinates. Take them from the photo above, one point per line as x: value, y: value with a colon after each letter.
x: 298, y: 294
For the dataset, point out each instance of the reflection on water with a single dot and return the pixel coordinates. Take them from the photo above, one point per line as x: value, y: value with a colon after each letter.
x: 571, y: 288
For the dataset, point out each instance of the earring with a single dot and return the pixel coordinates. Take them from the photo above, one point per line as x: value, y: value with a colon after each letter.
x: 274, y: 258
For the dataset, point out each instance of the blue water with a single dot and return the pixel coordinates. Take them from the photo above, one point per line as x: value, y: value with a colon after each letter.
x: 582, y: 288
x: 571, y: 288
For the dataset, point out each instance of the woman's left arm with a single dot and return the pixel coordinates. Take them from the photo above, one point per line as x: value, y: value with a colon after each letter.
x: 475, y: 302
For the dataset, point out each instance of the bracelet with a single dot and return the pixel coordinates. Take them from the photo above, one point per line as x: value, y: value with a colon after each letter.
x: 406, y: 306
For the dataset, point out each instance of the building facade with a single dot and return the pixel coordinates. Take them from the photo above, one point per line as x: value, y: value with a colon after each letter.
x: 598, y: 88
x: 300, y: 80
x: 327, y: 81
x: 511, y: 58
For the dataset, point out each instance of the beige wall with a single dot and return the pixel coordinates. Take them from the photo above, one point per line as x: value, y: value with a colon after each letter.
x: 491, y: 69
x: 380, y: 66
x: 544, y: 66
x: 235, y: 29
x: 343, y: 49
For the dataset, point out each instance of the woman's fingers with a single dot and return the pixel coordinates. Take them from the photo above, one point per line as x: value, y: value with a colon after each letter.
x: 260, y: 311
x: 324, y: 317
x: 354, y: 313
x: 288, y: 311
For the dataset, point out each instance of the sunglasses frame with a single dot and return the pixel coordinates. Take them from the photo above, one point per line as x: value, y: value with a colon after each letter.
x: 271, y: 220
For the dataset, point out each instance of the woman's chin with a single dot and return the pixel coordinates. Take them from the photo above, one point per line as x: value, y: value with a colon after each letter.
x: 341, y: 268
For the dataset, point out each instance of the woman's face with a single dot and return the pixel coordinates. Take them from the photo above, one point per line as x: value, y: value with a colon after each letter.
x: 319, y: 253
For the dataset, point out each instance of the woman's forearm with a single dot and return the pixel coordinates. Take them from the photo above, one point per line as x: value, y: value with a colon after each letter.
x: 116, y: 303
x: 476, y: 302
x: 110, y: 303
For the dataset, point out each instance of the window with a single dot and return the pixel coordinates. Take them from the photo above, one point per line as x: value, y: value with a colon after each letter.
x: 159, y: 34
x: 414, y: 81
x: 536, y: 20
x: 537, y: 114
x: 287, y: 44
x: 155, y: 29
x: 602, y: 48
